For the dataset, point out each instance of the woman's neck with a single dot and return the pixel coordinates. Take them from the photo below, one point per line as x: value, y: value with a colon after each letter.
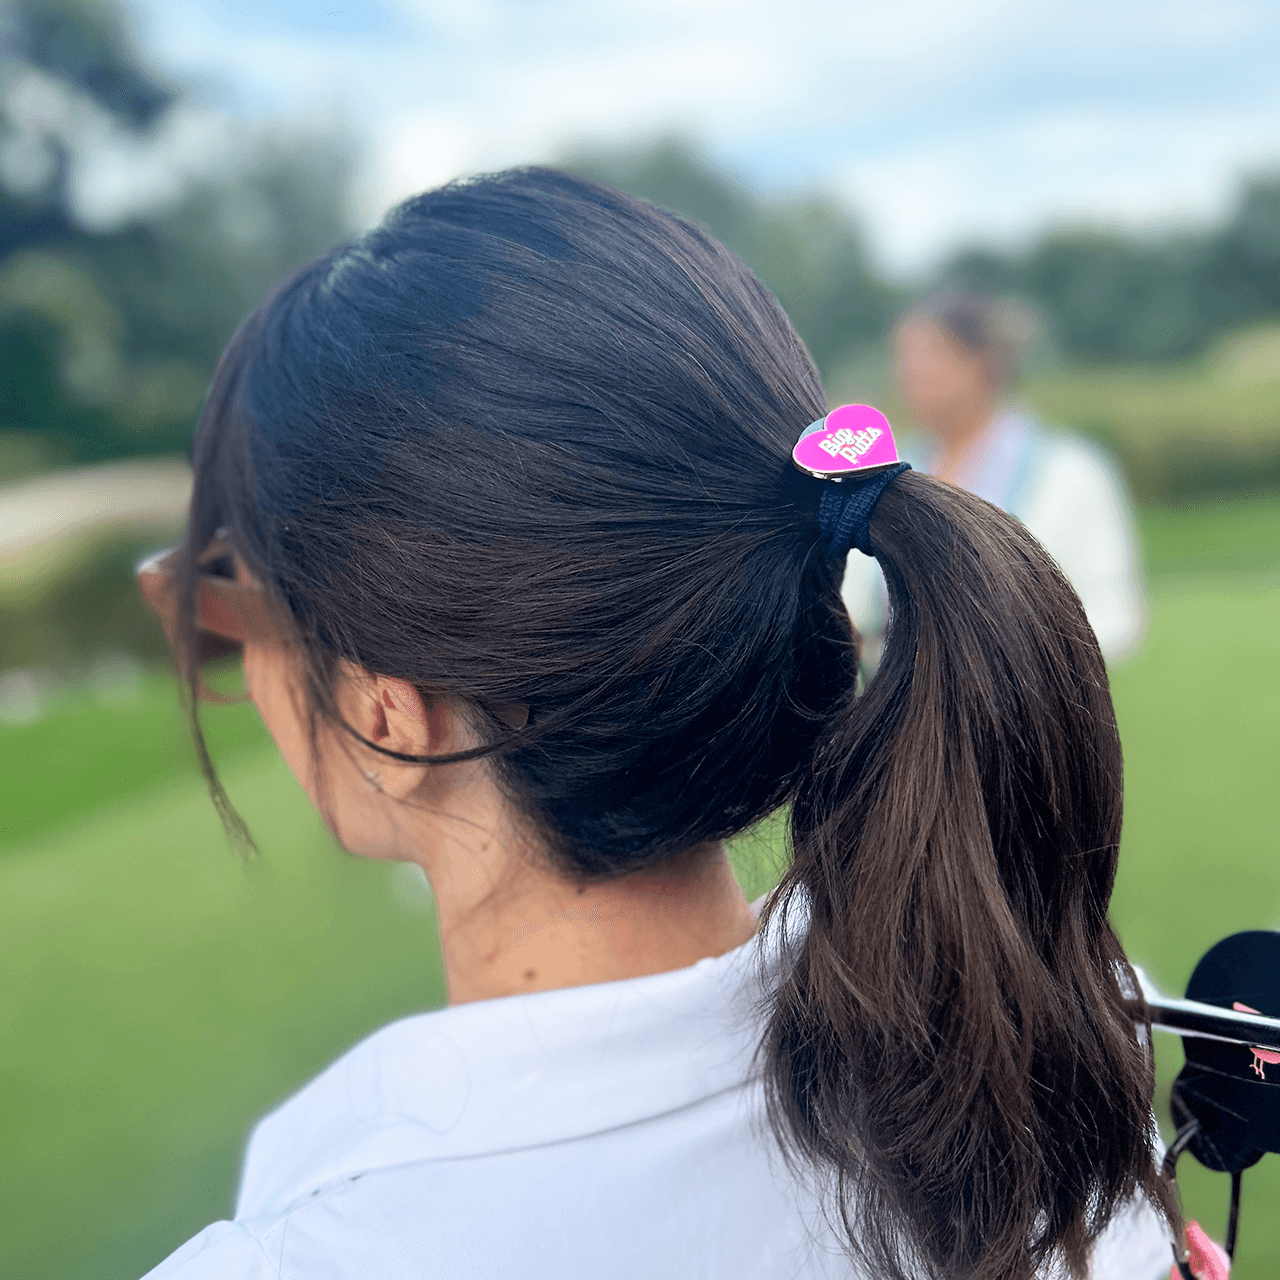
x: 512, y: 926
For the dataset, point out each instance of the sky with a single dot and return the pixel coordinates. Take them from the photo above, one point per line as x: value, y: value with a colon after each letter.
x: 938, y: 122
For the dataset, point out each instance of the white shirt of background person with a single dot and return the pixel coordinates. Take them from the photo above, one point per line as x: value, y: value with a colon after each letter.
x: 1070, y: 496
x: 954, y: 356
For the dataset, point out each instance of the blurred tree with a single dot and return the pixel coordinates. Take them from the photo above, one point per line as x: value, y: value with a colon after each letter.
x: 183, y: 281
x: 1238, y: 269
x: 107, y: 338
x: 86, y: 45
x: 1107, y: 295
x: 52, y: 51
x: 809, y: 251
x: 1111, y: 296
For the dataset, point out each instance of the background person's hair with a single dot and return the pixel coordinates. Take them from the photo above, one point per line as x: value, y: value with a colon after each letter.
x: 998, y: 330
x: 529, y: 442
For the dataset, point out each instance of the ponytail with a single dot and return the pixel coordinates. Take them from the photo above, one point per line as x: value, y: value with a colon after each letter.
x: 950, y: 1039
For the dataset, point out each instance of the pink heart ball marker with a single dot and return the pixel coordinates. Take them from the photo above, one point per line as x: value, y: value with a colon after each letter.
x: 853, y: 439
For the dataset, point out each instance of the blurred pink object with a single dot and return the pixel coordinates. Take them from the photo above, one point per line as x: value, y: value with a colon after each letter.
x: 1207, y: 1260
x: 1262, y: 1058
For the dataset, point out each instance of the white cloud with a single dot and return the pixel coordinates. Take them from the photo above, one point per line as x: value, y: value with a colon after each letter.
x: 937, y: 118
x: 415, y: 151
x: 117, y: 174
x: 1082, y: 165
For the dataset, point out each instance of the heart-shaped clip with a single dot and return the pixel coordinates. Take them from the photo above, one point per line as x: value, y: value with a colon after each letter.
x: 854, y: 439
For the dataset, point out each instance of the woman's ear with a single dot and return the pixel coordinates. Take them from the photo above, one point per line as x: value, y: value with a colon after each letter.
x: 384, y: 710
x: 399, y: 719
x: 407, y: 721
x: 394, y: 714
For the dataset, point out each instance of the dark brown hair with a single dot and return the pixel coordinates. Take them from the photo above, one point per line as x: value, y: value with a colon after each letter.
x: 952, y: 1042
x: 529, y: 442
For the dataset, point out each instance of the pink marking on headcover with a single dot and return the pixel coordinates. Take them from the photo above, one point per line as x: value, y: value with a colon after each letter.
x: 1260, y: 1056
x: 852, y: 438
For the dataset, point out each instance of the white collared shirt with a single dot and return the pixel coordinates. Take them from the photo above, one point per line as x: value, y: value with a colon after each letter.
x: 595, y: 1132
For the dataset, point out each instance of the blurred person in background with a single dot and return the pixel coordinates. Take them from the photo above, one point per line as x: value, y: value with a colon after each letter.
x: 476, y: 564
x: 956, y: 356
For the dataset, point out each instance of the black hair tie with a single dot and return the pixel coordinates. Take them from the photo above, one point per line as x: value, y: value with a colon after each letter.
x: 844, y: 514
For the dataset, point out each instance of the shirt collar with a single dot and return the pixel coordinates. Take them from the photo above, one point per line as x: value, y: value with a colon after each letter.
x: 991, y: 467
x: 517, y: 1072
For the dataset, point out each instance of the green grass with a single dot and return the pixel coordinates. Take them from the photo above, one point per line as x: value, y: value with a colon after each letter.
x: 1199, y: 714
x: 1233, y: 535
x: 90, y: 754
x: 158, y: 995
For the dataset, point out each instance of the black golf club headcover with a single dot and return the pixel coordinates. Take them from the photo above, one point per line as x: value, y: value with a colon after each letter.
x: 1233, y: 1090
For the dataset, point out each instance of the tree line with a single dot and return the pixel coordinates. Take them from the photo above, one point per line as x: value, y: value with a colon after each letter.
x: 107, y: 338
x: 1106, y: 296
